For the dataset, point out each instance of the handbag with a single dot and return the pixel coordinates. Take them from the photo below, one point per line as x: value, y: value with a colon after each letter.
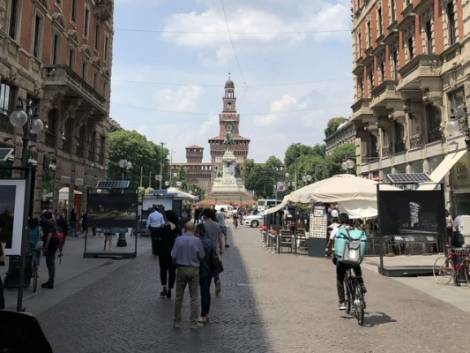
x: 352, y: 251
x: 216, y: 263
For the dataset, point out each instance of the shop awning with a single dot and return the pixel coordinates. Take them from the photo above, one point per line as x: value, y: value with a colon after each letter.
x: 279, y: 207
x: 440, y: 172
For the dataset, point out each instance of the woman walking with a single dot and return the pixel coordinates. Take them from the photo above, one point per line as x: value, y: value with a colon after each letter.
x: 167, y: 268
x: 205, y: 272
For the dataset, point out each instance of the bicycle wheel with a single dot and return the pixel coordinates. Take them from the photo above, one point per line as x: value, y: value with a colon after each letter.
x: 358, y: 304
x: 35, y: 276
x: 443, y: 270
x: 348, y: 297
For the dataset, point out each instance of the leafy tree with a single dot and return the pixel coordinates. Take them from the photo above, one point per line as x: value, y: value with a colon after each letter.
x: 135, y: 148
x: 333, y: 124
x: 339, y: 155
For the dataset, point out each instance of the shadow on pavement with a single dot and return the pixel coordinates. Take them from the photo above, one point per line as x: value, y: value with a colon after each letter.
x: 123, y: 313
x: 376, y: 319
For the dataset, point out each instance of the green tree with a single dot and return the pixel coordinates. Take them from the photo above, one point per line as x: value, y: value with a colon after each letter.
x: 135, y: 148
x: 339, y: 155
x: 333, y: 124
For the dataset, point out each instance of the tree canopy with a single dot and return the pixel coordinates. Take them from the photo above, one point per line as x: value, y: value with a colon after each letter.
x: 135, y: 148
x: 333, y: 124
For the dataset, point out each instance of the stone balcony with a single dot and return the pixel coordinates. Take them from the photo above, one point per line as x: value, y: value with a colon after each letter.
x: 361, y: 109
x: 63, y: 78
x: 384, y: 95
x: 420, y: 72
x: 104, y: 9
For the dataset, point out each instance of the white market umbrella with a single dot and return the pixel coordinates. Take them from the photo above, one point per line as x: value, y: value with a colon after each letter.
x: 354, y: 195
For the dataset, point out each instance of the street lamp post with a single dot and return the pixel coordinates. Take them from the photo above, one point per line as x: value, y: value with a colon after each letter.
x: 125, y: 166
x: 161, y: 165
x: 306, y: 178
x: 348, y: 165
x: 29, y: 121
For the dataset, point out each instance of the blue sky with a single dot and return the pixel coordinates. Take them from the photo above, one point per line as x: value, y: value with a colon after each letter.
x: 290, y: 61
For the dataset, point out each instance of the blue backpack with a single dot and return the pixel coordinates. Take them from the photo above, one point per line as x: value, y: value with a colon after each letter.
x: 350, y: 245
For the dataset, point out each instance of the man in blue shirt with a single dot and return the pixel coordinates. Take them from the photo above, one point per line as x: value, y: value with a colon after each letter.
x: 155, y: 223
x: 187, y: 254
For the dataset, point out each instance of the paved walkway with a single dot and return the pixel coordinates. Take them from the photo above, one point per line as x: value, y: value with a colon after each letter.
x: 270, y: 303
x: 72, y: 275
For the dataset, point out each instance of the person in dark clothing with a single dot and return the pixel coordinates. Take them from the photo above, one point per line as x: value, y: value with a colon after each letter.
x: 61, y: 222
x: 85, y: 223
x: 73, y: 223
x: 205, y: 272
x: 50, y: 247
x: 167, y: 269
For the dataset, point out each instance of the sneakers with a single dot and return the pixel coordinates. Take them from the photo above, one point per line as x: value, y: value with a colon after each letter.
x: 196, y: 325
x: 342, y: 306
x: 168, y: 293
x: 203, y: 320
x: 163, y: 293
x: 47, y: 285
x: 218, y: 288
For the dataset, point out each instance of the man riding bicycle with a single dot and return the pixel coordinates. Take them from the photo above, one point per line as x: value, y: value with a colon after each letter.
x: 344, y: 233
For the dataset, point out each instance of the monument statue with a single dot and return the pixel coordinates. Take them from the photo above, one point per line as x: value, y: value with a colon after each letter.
x: 228, y: 136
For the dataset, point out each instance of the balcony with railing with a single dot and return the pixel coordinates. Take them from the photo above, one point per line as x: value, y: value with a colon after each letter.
x: 420, y: 68
x: 61, y: 76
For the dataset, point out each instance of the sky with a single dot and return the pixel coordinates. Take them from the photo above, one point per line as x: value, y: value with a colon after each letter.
x: 290, y: 61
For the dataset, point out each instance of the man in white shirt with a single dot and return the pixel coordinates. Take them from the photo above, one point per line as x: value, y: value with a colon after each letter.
x: 155, y: 223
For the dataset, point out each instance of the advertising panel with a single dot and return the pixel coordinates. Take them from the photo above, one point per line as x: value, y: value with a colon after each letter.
x: 112, y: 210
x: 12, y: 197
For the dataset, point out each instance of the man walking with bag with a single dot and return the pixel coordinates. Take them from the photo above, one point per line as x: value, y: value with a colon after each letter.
x: 187, y: 254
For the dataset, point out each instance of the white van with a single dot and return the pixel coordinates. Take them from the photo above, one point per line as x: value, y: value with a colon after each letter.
x: 227, y: 208
x: 264, y: 204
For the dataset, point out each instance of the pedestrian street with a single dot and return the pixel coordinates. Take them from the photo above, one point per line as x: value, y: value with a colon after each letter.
x: 269, y: 303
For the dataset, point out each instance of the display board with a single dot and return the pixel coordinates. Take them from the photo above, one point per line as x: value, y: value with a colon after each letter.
x: 12, y: 198
x: 318, y: 222
x: 112, y: 210
x: 411, y: 213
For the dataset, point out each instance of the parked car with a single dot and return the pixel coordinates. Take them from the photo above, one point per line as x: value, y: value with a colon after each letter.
x: 253, y: 221
x: 228, y: 210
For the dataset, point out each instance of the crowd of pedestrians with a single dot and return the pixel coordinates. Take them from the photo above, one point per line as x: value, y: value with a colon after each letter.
x: 189, y: 257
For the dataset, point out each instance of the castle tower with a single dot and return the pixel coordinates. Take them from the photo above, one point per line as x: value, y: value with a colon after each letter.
x: 194, y: 154
x: 229, y: 121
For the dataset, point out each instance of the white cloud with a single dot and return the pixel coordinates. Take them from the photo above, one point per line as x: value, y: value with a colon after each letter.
x: 183, y: 99
x: 253, y: 25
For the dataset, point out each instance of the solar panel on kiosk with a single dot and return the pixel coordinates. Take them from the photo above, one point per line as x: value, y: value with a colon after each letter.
x: 113, y: 184
x: 6, y: 153
x: 412, y: 178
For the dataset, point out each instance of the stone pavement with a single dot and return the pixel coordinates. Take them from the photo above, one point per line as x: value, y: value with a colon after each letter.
x: 270, y: 303
x: 72, y: 275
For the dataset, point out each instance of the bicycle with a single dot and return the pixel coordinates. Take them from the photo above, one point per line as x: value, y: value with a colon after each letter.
x: 454, y: 266
x: 36, y: 256
x: 355, y: 303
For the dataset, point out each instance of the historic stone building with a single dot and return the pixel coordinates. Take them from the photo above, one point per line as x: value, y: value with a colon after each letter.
x: 346, y: 133
x: 412, y: 81
x: 56, y: 55
x: 202, y: 174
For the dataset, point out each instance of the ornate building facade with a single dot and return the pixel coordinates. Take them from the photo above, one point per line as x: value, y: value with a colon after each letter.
x: 57, y: 55
x: 412, y: 80
x: 202, y: 174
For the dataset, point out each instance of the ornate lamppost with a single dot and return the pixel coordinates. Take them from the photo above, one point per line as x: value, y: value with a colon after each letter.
x: 26, y: 118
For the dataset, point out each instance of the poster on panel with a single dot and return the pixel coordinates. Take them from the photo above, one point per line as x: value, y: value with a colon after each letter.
x: 112, y: 210
x: 12, y: 197
x: 411, y: 213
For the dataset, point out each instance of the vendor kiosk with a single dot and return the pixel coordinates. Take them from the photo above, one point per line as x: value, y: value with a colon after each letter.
x: 411, y: 222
